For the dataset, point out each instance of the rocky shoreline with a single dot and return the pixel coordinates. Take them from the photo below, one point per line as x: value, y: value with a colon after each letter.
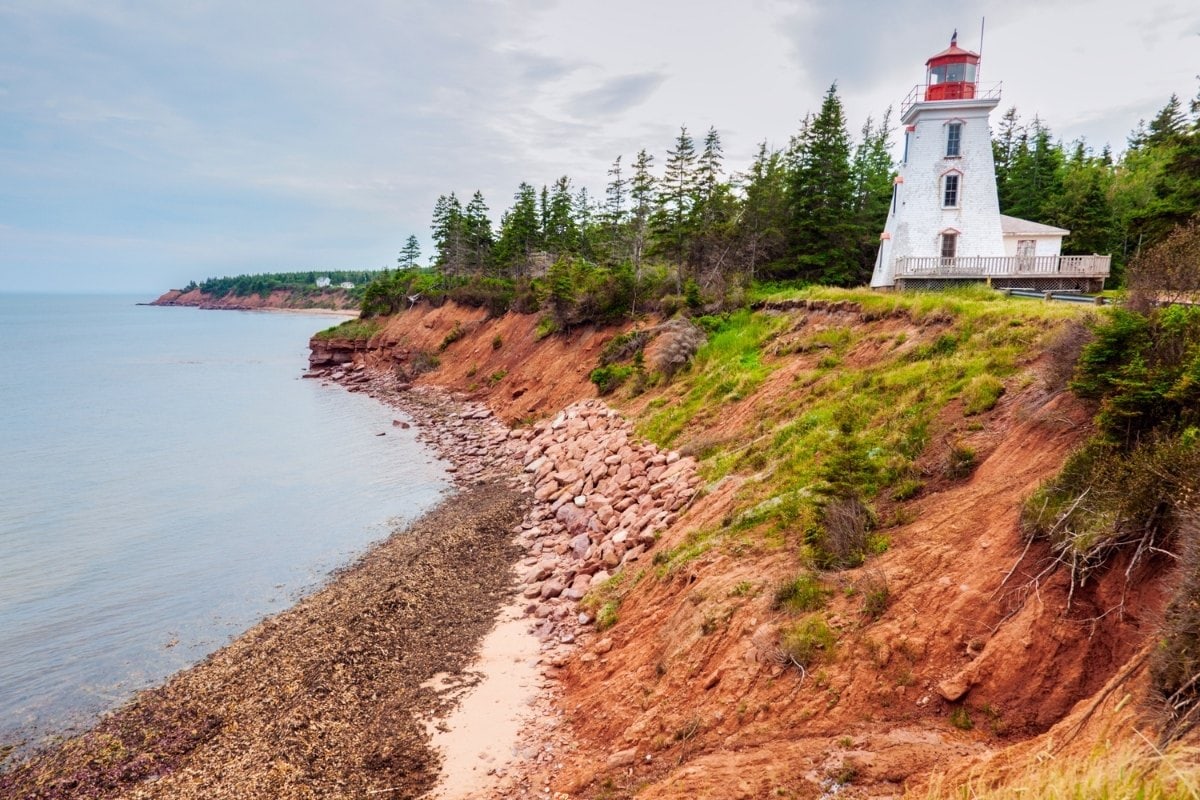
x: 600, y: 499
x: 600, y: 496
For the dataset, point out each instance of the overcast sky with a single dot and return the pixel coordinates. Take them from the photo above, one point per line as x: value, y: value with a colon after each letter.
x: 144, y: 144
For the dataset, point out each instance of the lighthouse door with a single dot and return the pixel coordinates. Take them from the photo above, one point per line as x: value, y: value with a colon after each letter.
x: 1026, y: 249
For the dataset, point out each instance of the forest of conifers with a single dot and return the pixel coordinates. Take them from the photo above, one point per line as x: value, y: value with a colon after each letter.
x: 693, y: 232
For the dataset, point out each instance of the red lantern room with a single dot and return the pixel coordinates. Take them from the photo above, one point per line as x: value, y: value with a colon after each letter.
x: 950, y: 75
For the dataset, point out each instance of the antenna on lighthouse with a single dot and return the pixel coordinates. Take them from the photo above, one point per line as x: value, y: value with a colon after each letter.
x: 979, y: 69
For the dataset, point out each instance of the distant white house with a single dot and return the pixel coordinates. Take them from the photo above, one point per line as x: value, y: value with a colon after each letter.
x: 346, y: 284
x: 1028, y: 239
x: 323, y: 282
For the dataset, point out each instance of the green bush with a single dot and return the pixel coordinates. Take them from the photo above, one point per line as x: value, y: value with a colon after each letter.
x: 546, y: 326
x: 961, y: 719
x: 960, y: 461
x: 610, y: 377
x: 808, y: 641
x: 981, y: 394
x: 805, y: 592
x: 453, y: 336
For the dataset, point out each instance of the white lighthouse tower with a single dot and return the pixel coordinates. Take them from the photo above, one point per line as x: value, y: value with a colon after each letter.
x: 944, y: 202
x: 944, y: 225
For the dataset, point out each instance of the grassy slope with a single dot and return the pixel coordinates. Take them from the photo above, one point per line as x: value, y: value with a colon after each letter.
x: 798, y: 406
x: 844, y: 407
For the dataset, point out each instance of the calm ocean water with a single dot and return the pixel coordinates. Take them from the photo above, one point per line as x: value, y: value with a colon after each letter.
x: 167, y: 480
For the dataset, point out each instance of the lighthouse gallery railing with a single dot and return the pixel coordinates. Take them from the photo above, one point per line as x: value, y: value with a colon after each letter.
x: 1002, y: 266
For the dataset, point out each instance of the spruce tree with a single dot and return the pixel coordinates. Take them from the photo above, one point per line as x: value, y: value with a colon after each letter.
x: 520, y: 232
x: 824, y: 231
x: 448, y: 233
x: 642, y: 198
x: 873, y: 174
x: 411, y: 253
x: 1035, y: 178
x: 561, y: 233
x: 477, y: 230
x: 765, y: 209
x: 676, y: 200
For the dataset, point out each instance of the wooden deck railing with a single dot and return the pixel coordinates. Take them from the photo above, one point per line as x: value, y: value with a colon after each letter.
x: 1003, y: 266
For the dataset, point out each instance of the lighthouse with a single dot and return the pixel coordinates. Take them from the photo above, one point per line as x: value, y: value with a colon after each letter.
x: 944, y: 224
x: 944, y: 201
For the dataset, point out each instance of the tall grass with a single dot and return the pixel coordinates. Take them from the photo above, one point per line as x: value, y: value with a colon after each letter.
x: 1110, y: 772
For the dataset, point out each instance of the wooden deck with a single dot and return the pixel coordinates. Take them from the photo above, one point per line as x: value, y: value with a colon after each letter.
x: 1083, y: 273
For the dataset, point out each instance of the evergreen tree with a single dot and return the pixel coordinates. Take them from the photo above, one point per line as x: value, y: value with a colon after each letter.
x: 1084, y: 207
x: 708, y: 167
x: 1168, y: 125
x: 765, y: 209
x: 873, y: 173
x: 642, y: 197
x: 561, y: 233
x: 1034, y: 180
x: 411, y: 253
x: 584, y: 214
x: 676, y: 199
x: 824, y: 232
x: 448, y: 234
x: 1004, y: 147
x: 477, y: 234
x: 520, y: 232
x: 614, y: 207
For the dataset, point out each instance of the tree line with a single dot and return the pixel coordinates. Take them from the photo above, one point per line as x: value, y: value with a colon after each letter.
x: 694, y: 233
x: 267, y: 282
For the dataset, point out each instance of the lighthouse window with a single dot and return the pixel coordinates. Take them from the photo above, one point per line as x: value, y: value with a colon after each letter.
x: 954, y: 140
x: 950, y: 191
x: 949, y: 245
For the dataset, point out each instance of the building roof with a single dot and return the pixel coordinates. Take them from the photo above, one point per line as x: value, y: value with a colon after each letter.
x: 1015, y: 226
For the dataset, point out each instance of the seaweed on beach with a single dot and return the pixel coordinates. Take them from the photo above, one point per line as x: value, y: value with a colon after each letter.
x: 325, y: 699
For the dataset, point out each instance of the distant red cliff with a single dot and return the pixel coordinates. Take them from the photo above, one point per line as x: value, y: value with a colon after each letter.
x: 332, y: 299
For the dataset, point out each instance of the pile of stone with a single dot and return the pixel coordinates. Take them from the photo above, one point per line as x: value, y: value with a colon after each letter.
x: 601, y: 498
x: 600, y: 495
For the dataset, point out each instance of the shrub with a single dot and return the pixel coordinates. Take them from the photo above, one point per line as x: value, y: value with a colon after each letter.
x: 981, y: 394
x: 497, y: 342
x: 497, y: 376
x: 802, y: 593
x: 907, y: 489
x: 842, y: 539
x: 606, y: 617
x: 677, y: 343
x: 961, y: 719
x: 960, y: 461
x: 453, y: 336
x: 808, y: 641
x: 623, y: 347
x: 494, y: 294
x: 877, y: 595
x: 354, y: 329
x: 546, y: 326
x: 608, y: 378
x: 421, y: 362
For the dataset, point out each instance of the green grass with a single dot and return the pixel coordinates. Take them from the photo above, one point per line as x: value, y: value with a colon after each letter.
x: 981, y: 394
x: 805, y: 592
x: 846, y: 425
x: 727, y: 369
x: 809, y: 641
x: 354, y: 329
